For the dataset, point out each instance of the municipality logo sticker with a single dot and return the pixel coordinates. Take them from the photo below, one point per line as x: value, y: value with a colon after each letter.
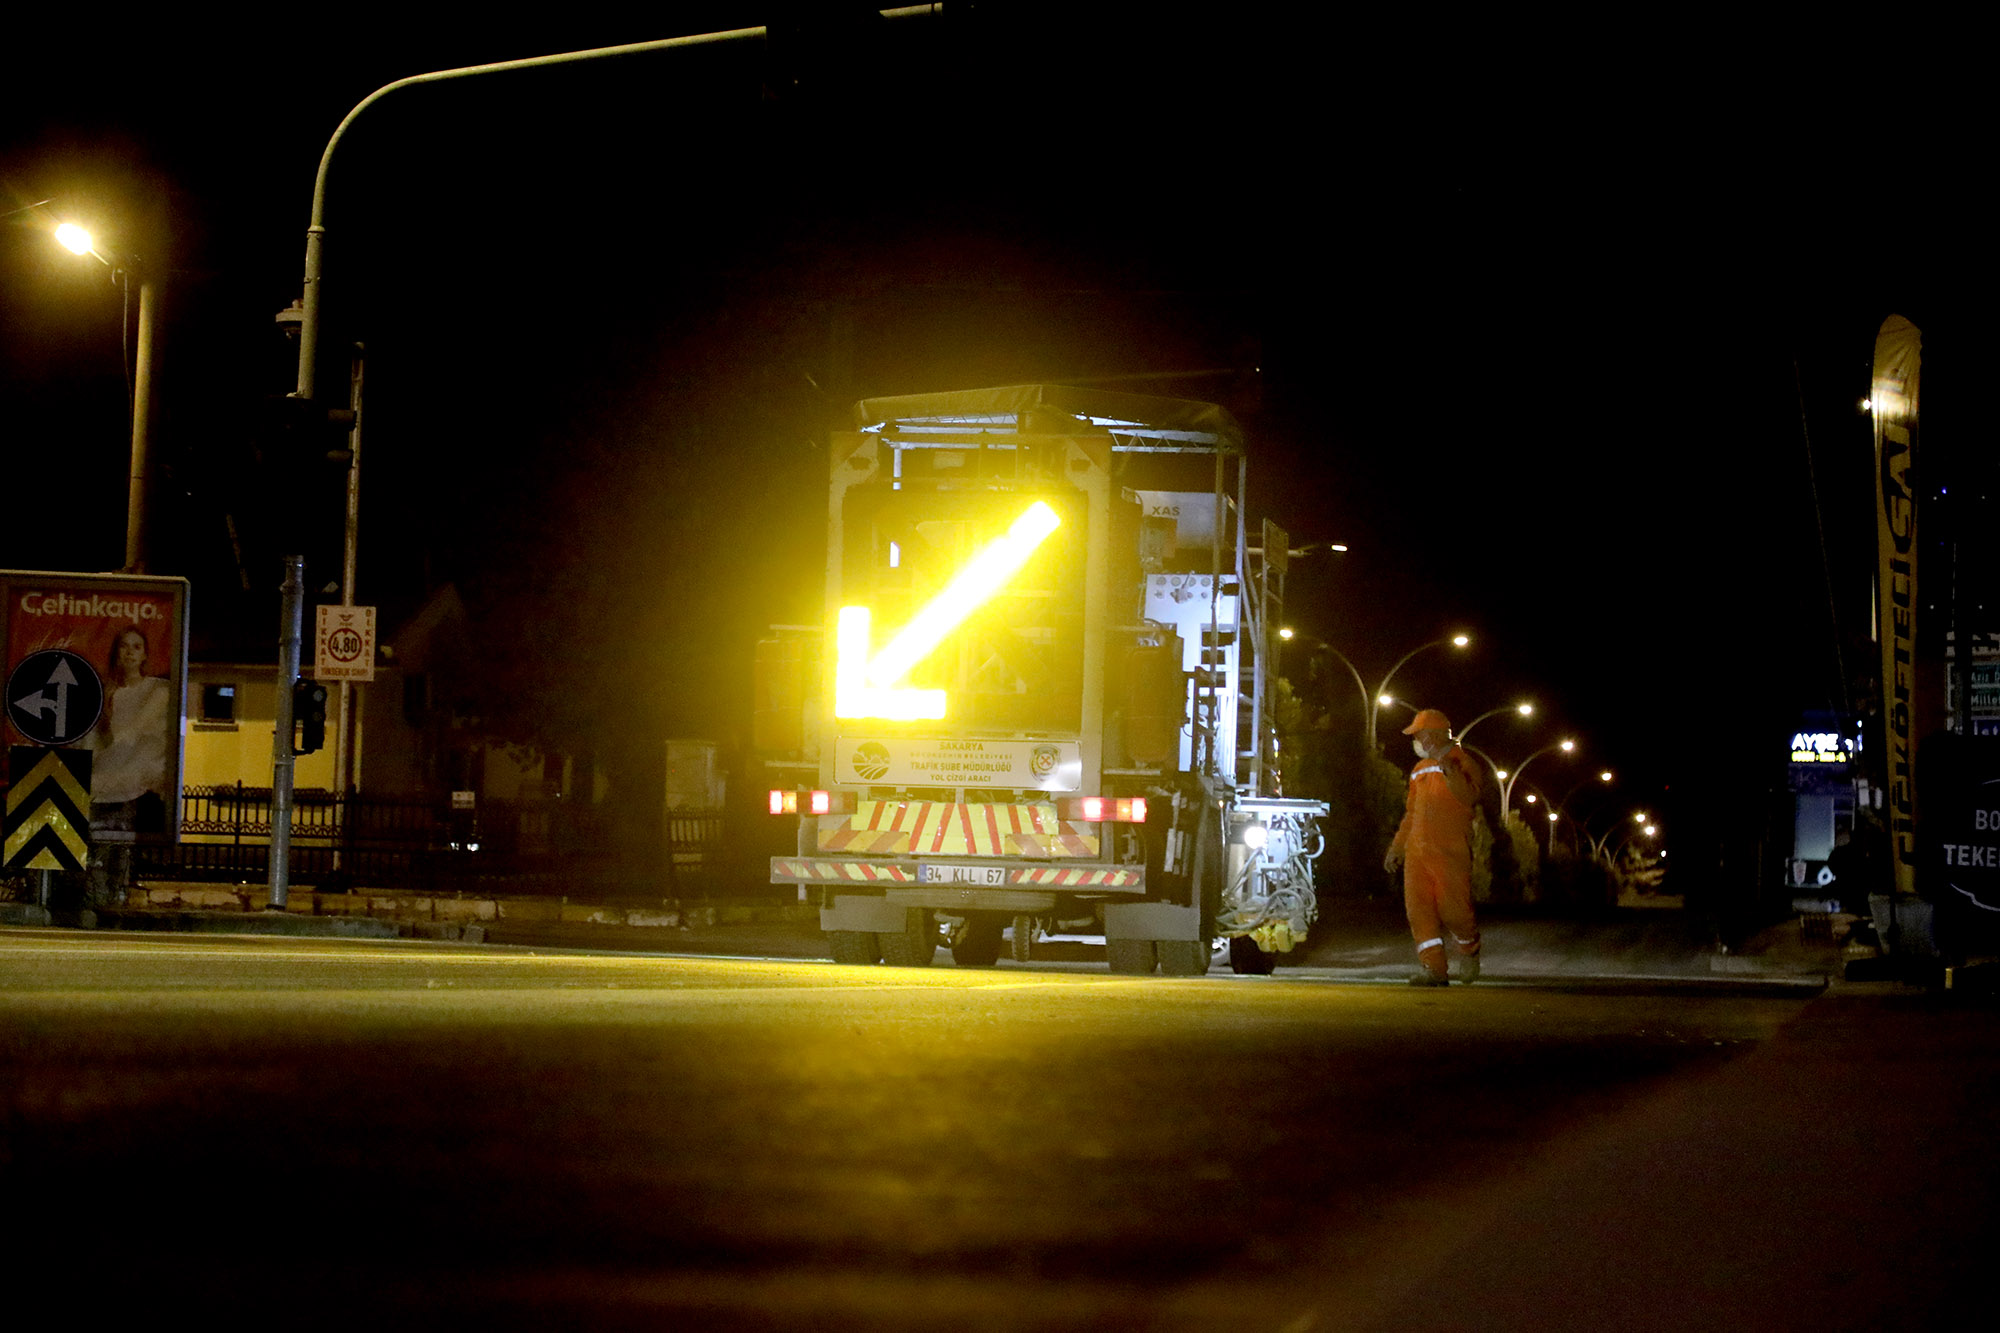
x: 871, y: 761
x: 1043, y: 760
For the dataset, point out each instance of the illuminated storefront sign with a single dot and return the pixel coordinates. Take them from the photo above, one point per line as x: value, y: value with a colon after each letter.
x: 1821, y: 747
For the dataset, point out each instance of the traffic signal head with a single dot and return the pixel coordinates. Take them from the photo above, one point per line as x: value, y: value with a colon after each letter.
x: 309, y: 715
x: 305, y: 429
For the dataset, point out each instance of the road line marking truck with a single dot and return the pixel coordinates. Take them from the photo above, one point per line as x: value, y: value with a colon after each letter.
x: 1037, y: 698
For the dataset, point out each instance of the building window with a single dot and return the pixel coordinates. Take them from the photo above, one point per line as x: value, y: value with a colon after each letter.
x: 218, y: 703
x: 416, y: 698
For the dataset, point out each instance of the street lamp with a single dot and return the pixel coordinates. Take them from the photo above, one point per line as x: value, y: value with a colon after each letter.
x: 1375, y: 701
x: 1537, y: 794
x: 1604, y: 777
x: 1524, y: 709
x: 1600, y: 843
x: 78, y: 240
x: 75, y: 239
x: 1507, y: 780
x: 1648, y: 830
x: 1372, y: 702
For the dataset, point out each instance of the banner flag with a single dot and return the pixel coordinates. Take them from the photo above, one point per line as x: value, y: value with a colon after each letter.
x: 1893, y: 405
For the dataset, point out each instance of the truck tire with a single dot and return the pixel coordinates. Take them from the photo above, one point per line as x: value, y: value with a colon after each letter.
x: 978, y: 942
x: 1023, y: 948
x: 1247, y: 960
x: 855, y: 948
x: 1130, y: 957
x: 913, y: 946
x: 1183, y: 958
x: 1205, y: 875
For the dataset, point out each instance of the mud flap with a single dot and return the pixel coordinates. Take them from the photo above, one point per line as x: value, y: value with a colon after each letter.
x: 863, y: 912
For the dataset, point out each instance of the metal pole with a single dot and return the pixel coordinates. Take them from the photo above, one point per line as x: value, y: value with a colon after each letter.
x: 291, y: 618
x: 142, y: 415
x: 344, y: 736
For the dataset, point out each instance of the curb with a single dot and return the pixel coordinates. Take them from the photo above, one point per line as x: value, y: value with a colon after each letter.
x: 236, y: 923
x: 364, y: 913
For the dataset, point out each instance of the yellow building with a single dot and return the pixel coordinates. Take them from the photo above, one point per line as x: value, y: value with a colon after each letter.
x: 409, y: 739
x: 232, y: 711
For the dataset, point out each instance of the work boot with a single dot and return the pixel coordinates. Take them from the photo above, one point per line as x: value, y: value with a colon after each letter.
x: 1468, y: 970
x: 1423, y: 976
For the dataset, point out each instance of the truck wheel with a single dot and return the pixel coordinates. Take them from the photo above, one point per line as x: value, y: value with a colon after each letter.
x: 913, y: 946
x: 978, y: 942
x: 856, y: 948
x: 1024, y: 939
x: 1183, y: 958
x: 1130, y: 957
x: 1247, y: 960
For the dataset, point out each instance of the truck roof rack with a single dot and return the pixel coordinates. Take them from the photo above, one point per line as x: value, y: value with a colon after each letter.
x: 1042, y: 408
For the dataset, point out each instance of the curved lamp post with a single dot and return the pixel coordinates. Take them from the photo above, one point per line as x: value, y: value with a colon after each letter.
x: 1373, y: 702
x: 1524, y: 709
x: 1549, y: 809
x: 1606, y: 777
x: 1507, y: 780
x: 1599, y: 844
x: 309, y: 319
x: 1649, y: 830
x: 309, y: 331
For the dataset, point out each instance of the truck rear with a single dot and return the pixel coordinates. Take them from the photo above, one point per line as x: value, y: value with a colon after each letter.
x: 1035, y: 702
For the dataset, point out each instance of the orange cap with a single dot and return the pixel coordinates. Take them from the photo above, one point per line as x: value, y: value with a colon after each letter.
x: 1428, y: 719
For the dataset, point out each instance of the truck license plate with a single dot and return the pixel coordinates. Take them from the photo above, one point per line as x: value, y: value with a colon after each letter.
x: 993, y: 876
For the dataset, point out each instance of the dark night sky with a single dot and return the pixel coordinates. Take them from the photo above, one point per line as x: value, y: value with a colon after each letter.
x: 1539, y: 322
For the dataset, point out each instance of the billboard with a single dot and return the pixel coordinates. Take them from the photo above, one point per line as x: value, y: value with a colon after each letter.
x: 1893, y: 406
x: 98, y: 662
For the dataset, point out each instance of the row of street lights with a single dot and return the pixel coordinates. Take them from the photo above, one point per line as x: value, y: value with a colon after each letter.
x: 1509, y: 779
x: 1373, y: 702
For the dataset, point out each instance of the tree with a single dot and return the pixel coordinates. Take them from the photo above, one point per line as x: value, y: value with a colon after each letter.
x: 1324, y: 759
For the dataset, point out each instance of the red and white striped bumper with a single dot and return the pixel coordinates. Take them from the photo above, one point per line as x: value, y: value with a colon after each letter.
x: 851, y: 870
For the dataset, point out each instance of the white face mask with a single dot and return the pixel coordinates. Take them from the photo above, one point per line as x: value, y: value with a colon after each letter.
x: 1431, y: 751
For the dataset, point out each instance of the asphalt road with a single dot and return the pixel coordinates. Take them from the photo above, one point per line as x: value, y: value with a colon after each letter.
x: 415, y: 1133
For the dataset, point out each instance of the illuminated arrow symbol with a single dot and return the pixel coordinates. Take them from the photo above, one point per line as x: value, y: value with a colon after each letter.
x: 873, y: 691
x: 853, y: 696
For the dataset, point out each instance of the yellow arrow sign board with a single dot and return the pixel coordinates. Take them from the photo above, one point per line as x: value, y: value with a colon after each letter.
x: 869, y: 686
x: 47, y: 824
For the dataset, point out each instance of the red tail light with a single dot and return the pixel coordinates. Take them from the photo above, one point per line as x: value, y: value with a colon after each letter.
x: 1106, y: 809
x: 811, y: 802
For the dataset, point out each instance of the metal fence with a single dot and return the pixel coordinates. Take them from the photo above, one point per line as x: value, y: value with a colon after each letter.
x: 406, y: 842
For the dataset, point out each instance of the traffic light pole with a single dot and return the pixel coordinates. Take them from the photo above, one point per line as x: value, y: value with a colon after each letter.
x: 291, y: 621
x: 344, y: 767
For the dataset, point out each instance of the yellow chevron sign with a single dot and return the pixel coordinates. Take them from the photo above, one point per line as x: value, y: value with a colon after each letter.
x: 47, y: 824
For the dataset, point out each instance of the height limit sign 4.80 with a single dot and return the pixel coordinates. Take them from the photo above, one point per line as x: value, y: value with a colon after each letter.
x: 346, y: 643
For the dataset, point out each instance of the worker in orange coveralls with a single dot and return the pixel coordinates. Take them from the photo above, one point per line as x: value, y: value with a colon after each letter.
x: 1433, y: 845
